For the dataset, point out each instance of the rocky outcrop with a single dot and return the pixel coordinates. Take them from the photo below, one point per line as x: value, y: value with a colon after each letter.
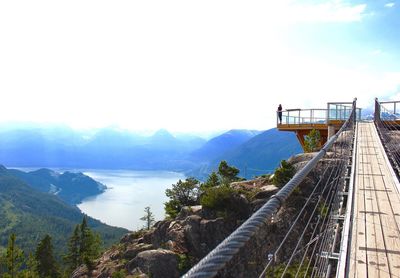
x: 173, y: 246
x: 158, y: 263
x: 157, y: 253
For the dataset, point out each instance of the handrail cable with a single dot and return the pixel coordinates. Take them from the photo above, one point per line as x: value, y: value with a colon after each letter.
x: 329, y: 240
x: 332, y: 202
x: 298, y: 216
x: 339, y: 164
x: 331, y: 198
x: 217, y: 258
x: 385, y: 128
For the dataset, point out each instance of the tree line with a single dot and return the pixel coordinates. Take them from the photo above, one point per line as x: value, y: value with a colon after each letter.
x: 83, y: 248
x: 216, y: 193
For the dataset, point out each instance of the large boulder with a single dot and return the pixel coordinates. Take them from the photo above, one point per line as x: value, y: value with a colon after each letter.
x: 133, y: 250
x: 266, y: 191
x: 158, y: 263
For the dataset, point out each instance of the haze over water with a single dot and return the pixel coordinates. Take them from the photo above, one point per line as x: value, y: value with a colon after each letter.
x: 129, y: 193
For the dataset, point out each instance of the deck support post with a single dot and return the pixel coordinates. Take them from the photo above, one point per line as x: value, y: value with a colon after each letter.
x: 331, y: 131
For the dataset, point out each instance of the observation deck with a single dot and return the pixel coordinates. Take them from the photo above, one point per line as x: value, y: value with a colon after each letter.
x: 389, y: 113
x: 327, y: 121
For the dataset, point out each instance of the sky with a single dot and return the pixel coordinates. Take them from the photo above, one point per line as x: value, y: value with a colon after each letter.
x: 192, y: 66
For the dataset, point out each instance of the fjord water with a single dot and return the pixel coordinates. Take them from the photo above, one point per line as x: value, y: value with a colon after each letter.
x: 128, y: 193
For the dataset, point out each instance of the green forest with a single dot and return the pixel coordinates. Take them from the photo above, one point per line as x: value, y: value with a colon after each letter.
x: 31, y: 215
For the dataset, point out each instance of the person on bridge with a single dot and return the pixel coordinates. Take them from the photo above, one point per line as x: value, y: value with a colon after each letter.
x: 280, y: 113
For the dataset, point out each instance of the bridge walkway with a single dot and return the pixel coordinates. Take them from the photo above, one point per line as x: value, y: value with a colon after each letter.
x: 375, y: 236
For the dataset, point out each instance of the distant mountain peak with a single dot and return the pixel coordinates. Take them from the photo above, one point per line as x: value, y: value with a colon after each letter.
x: 162, y: 133
x: 45, y: 172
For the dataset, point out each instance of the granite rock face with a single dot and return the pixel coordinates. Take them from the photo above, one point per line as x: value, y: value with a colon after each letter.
x: 171, y: 247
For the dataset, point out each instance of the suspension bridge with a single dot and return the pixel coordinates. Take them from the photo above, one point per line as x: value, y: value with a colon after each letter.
x: 348, y: 223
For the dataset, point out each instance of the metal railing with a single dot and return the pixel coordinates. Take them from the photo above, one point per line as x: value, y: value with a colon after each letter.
x: 303, y: 116
x: 387, y: 122
x: 324, y: 239
x: 388, y: 110
x: 336, y: 111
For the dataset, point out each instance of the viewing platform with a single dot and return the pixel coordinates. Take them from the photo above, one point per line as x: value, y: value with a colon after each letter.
x: 327, y: 121
x: 388, y: 112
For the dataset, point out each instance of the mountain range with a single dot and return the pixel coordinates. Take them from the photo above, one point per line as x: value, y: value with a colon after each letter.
x: 111, y: 148
x: 258, y: 155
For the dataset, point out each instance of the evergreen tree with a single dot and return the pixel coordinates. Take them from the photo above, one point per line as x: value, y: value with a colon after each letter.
x: 31, y: 268
x: 46, y: 264
x: 90, y: 243
x: 312, y: 142
x: 183, y: 193
x: 83, y: 247
x: 148, y: 218
x: 84, y: 234
x: 227, y: 173
x: 213, y: 180
x: 72, y: 258
x: 14, y: 258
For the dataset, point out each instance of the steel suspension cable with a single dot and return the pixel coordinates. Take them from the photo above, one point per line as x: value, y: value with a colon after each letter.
x: 217, y: 258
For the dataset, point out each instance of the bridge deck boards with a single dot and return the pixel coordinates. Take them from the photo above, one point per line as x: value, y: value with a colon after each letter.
x: 375, y: 245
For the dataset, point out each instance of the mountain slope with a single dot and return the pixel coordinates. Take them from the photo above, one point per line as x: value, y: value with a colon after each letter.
x: 70, y: 187
x: 263, y: 152
x: 222, y: 143
x: 31, y: 214
x: 259, y: 155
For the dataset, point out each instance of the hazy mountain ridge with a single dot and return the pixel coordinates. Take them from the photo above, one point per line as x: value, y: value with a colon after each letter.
x: 258, y: 155
x: 107, y: 149
x: 222, y: 143
x: 112, y: 148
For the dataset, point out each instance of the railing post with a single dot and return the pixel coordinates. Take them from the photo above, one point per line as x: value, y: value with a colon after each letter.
x: 355, y: 109
x: 377, y: 114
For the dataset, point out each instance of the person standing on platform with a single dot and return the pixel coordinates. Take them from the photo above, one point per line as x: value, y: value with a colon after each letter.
x: 280, y: 113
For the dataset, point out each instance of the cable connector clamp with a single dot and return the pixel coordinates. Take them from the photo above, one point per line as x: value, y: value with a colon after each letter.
x: 280, y: 200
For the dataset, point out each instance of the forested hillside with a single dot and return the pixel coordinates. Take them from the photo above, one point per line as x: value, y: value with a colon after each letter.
x: 32, y: 214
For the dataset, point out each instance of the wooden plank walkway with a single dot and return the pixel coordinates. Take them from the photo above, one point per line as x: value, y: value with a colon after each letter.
x: 375, y: 237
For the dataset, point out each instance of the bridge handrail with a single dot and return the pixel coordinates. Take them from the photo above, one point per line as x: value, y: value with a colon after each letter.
x: 386, y: 122
x: 217, y: 258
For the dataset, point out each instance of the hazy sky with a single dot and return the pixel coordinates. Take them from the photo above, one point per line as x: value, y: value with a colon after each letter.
x: 192, y: 65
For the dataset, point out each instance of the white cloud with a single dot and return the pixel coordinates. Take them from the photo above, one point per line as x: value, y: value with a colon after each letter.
x: 390, y: 5
x: 330, y: 11
x: 182, y: 65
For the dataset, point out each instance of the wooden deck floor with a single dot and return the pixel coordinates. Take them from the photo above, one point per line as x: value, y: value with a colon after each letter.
x: 375, y: 240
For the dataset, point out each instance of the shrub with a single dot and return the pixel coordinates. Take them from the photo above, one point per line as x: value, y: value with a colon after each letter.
x: 312, y: 142
x: 283, y: 174
x: 172, y: 208
x: 226, y: 202
x: 217, y: 198
x: 119, y: 274
x: 183, y: 193
x: 184, y: 263
x: 294, y: 270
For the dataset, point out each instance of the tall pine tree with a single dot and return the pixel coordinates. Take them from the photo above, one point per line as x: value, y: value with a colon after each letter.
x: 14, y: 258
x: 72, y: 258
x: 83, y: 247
x: 148, y: 218
x: 46, y: 264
